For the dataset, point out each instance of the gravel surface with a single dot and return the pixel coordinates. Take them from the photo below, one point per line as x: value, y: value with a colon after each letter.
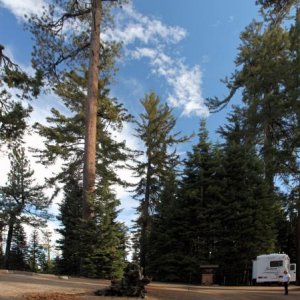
x: 28, y: 286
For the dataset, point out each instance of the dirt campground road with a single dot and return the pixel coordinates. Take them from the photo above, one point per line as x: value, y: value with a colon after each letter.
x: 27, y: 286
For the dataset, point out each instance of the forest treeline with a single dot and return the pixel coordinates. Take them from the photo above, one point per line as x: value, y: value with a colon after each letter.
x: 222, y: 203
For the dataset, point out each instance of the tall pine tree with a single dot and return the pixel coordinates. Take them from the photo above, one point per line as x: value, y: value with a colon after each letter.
x: 155, y: 129
x: 195, y: 231
x: 22, y: 200
x: 64, y: 140
x: 19, y: 249
x: 59, y: 49
x: 247, y: 215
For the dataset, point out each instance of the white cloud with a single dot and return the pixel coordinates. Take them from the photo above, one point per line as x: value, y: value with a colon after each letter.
x: 20, y: 8
x: 185, y: 82
x: 132, y: 26
x: 148, y: 37
x: 136, y: 31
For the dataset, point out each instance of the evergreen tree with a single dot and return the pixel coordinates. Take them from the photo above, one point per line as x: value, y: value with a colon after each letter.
x: 14, y: 112
x: 268, y: 74
x: 70, y: 217
x: 36, y: 255
x: 47, y: 264
x: 262, y: 76
x: 22, y: 200
x: 155, y: 130
x: 196, y: 201
x: 110, y: 253
x: 164, y: 262
x: 1, y: 243
x: 58, y: 49
x: 247, y: 215
x: 18, y: 255
x: 64, y: 140
x: 292, y: 145
x: 287, y: 225
x: 276, y: 11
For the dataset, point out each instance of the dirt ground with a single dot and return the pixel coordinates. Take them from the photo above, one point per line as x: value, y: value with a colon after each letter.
x: 27, y: 286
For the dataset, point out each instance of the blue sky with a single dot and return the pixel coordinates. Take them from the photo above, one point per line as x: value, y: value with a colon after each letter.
x: 209, y: 45
x: 179, y: 49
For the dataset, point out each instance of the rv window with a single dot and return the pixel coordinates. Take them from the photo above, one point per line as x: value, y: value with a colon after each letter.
x: 276, y: 263
x: 292, y: 267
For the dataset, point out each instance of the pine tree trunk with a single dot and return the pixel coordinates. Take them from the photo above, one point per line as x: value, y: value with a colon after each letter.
x: 1, y: 239
x: 89, y: 172
x: 145, y: 221
x: 8, y: 241
x: 268, y: 156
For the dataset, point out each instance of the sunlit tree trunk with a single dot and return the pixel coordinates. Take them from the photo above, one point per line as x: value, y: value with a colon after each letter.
x: 89, y: 172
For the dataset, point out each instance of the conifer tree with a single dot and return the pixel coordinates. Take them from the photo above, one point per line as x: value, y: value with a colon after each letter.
x: 58, y: 50
x: 70, y: 218
x: 262, y: 76
x: 19, y: 249
x: 65, y: 138
x: 13, y: 111
x: 22, y: 200
x: 36, y: 256
x: 268, y: 74
x: 164, y: 262
x: 292, y: 144
x: 155, y: 130
x: 247, y: 215
x: 110, y: 255
x: 276, y: 11
x: 195, y: 207
x: 47, y: 265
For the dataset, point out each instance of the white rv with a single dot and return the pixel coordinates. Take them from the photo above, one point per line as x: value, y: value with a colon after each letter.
x: 269, y: 268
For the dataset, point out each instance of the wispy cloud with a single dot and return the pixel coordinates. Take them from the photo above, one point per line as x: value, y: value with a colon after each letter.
x: 132, y: 26
x: 20, y: 8
x: 142, y: 36
x: 185, y: 82
x: 148, y: 37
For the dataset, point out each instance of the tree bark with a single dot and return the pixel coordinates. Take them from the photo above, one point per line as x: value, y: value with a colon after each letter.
x: 145, y: 222
x: 89, y: 171
x: 1, y: 238
x: 8, y: 241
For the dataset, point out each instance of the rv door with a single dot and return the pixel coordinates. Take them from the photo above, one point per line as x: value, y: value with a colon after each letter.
x: 293, y: 272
